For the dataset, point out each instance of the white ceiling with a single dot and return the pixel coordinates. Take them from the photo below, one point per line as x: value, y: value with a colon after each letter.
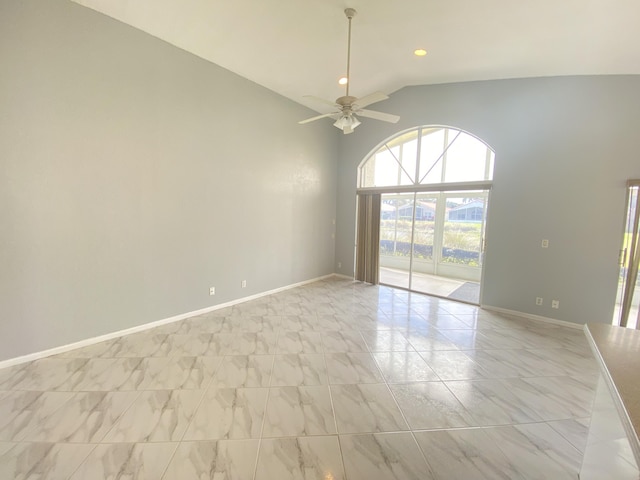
x: 298, y: 47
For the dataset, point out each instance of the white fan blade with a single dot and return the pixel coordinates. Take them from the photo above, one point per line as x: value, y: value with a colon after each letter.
x: 385, y: 117
x: 370, y: 99
x: 321, y: 100
x: 302, y: 122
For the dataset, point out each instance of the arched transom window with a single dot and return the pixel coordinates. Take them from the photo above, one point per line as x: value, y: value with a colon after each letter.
x: 426, y: 156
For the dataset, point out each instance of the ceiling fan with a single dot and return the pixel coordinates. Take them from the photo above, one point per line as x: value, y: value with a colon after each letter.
x: 347, y: 106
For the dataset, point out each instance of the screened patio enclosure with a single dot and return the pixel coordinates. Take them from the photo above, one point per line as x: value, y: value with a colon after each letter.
x: 434, y: 185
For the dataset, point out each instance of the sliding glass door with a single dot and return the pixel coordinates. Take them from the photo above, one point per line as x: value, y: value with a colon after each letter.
x: 432, y: 242
x: 628, y: 299
x: 396, y: 238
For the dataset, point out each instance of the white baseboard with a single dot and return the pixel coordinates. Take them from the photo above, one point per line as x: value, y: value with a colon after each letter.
x: 140, y: 328
x: 537, y: 318
x: 339, y: 275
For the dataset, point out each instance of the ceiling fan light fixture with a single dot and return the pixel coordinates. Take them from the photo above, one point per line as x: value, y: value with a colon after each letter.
x: 347, y: 123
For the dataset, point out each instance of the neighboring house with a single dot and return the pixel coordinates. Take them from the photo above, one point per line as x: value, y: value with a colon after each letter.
x: 387, y: 212
x: 424, y: 211
x: 470, y: 212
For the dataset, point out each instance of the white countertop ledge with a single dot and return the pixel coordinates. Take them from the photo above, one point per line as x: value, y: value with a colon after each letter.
x: 617, y: 351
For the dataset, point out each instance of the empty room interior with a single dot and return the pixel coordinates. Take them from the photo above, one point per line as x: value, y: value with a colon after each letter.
x: 422, y: 283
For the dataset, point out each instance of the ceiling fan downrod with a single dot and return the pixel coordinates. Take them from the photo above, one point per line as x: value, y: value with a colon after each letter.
x: 350, y: 13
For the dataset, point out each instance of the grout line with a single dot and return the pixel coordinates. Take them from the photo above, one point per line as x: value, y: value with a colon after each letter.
x: 266, y: 404
x: 84, y: 460
x: 175, y: 450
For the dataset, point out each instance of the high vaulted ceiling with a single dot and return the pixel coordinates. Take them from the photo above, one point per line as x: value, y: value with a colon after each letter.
x: 298, y: 47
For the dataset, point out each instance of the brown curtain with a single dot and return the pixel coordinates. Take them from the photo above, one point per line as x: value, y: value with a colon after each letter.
x: 368, y: 238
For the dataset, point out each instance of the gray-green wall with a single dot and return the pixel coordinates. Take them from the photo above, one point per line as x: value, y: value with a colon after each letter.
x: 134, y: 176
x: 565, y: 147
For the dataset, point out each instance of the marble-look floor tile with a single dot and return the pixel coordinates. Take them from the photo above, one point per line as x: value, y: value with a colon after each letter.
x: 447, y: 322
x: 429, y: 340
x: 384, y: 456
x: 10, y: 376
x: 22, y: 411
x: 290, y: 323
x: 366, y: 408
x: 6, y: 446
x: 493, y: 367
x: 185, y: 373
x: 330, y: 321
x: 229, y: 413
x: 572, y: 396
x: 244, y: 371
x: 342, y: 342
x: 386, y: 341
x: 403, y: 367
x: 156, y: 416
x: 85, y: 418
x: 201, y: 344
x: 303, y: 369
x: 201, y: 324
x: 510, y: 339
x: 571, y: 363
x: 527, y: 363
x: 214, y: 459
x: 251, y: 343
x: 465, y: 454
x: 106, y: 374
x: 491, y: 402
x: 357, y: 321
x: 536, y: 451
x: 90, y: 351
x: 457, y: 308
x: 249, y: 308
x: 51, y: 373
x: 299, y: 342
x: 143, y: 344
x: 134, y: 461
x: 352, y: 368
x: 553, y: 398
x: 302, y: 458
x: 299, y: 411
x: 251, y: 324
x: 468, y: 339
x: 454, y: 365
x: 42, y: 461
x: 575, y: 431
x: 430, y: 405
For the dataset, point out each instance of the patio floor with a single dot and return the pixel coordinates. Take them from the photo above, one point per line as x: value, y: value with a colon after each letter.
x: 453, y: 289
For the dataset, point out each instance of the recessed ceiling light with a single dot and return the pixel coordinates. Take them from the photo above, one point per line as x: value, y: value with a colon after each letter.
x: 343, y: 80
x: 420, y: 52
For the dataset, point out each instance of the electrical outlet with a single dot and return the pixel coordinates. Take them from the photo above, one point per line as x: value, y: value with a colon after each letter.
x: 538, y: 300
x: 339, y: 264
x: 212, y: 291
x: 243, y: 284
x: 545, y: 243
x: 555, y: 303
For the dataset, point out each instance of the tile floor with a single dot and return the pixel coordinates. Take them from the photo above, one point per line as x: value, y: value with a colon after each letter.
x: 333, y: 380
